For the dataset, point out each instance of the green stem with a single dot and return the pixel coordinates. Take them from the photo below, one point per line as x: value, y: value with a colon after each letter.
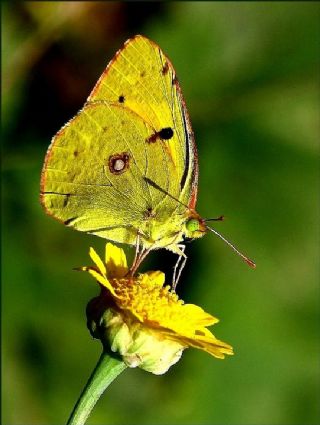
x: 106, y: 370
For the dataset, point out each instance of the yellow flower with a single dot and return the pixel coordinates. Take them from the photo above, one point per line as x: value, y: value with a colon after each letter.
x: 142, y: 320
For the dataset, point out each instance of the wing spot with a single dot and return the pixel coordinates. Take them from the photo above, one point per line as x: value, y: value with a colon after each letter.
x: 75, y: 153
x: 165, y: 69
x: 142, y: 73
x: 121, y: 99
x: 119, y: 162
x: 164, y: 134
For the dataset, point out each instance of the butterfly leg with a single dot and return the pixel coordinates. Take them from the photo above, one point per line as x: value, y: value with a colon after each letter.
x: 140, y: 255
x: 179, y: 266
x: 136, y: 255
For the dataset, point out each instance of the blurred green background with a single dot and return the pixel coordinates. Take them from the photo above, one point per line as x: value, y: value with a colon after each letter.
x: 250, y: 76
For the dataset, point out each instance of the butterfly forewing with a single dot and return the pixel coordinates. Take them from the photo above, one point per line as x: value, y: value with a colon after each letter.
x: 143, y: 79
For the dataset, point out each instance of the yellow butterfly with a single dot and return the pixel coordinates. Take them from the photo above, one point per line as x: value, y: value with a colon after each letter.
x: 125, y: 167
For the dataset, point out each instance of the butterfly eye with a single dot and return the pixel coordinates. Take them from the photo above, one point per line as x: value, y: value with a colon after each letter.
x: 193, y: 225
x: 118, y: 163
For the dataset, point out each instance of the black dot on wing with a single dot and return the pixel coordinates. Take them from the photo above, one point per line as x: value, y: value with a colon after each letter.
x: 165, y: 69
x: 166, y: 133
x: 121, y: 99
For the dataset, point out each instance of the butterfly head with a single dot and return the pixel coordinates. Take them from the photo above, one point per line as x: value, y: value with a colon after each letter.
x: 195, y: 227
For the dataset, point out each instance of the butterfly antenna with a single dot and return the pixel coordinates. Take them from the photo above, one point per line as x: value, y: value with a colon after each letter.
x: 221, y: 218
x: 246, y: 259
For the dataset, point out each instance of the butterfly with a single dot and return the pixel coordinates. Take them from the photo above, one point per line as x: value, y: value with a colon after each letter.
x: 125, y: 168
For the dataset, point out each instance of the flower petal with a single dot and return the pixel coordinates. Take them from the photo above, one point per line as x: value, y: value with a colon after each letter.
x: 103, y: 280
x: 98, y: 262
x: 210, y: 344
x: 213, y: 346
x: 198, y: 315
x: 154, y: 278
x: 116, y: 261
